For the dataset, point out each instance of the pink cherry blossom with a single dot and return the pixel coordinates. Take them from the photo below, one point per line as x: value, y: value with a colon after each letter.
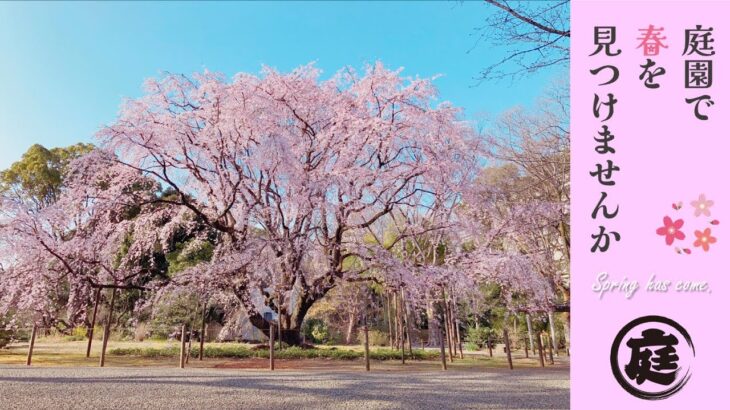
x: 702, y: 206
x: 704, y: 239
x: 671, y: 230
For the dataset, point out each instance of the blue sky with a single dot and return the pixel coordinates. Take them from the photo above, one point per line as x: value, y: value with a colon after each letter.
x: 64, y: 68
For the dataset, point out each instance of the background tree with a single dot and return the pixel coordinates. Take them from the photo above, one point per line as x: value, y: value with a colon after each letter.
x: 38, y: 177
x: 535, y: 33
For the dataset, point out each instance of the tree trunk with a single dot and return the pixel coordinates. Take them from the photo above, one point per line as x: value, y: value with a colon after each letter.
x: 291, y: 322
x: 433, y: 326
x: 350, y: 328
x: 291, y: 328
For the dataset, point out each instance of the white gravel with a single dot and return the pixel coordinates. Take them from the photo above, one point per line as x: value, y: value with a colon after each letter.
x: 168, y: 388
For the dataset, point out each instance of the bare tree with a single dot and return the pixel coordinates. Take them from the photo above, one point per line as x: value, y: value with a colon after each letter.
x: 531, y: 151
x: 537, y: 34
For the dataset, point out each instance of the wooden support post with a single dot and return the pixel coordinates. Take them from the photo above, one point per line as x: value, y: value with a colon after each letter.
x: 553, y: 337
x: 182, y: 347
x: 190, y: 345
x: 489, y: 345
x: 396, y: 326
x: 550, y: 349
x: 278, y: 317
x: 451, y: 336
x: 529, y: 332
x: 31, y: 344
x: 507, y: 348
x: 407, y: 322
x: 527, y: 352
x: 93, y: 321
x: 447, y: 326
x: 107, y: 328
x: 402, y: 332
x: 441, y: 344
x: 458, y: 339
x: 367, y: 348
x: 566, y: 333
x: 540, y: 350
x: 271, y: 346
x: 387, y: 316
x: 202, y: 332
x: 402, y: 346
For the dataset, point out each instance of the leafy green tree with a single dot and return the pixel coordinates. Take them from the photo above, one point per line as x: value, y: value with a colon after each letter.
x: 38, y: 176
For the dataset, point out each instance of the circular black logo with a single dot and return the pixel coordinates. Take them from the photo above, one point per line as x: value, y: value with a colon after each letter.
x: 651, y: 357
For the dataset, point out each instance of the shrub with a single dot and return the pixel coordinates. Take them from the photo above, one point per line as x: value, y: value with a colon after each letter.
x: 4, y: 337
x: 375, y: 337
x: 78, y: 333
x: 238, y: 351
x: 316, y: 330
x: 478, y: 336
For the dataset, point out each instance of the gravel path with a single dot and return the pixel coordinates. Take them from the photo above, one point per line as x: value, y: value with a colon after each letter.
x: 162, y: 388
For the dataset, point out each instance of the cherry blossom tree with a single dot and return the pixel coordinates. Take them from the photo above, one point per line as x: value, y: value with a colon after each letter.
x: 104, y: 230
x: 292, y: 171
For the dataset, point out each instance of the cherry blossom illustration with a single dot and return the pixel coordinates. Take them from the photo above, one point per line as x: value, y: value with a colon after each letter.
x: 700, y: 224
x: 702, y: 206
x: 671, y: 230
x: 704, y: 239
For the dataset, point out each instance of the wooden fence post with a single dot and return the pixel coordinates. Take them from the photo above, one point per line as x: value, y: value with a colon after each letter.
x: 406, y: 317
x: 107, y: 328
x: 182, y: 347
x: 386, y: 307
x: 489, y: 345
x: 527, y: 352
x: 553, y: 338
x: 540, y: 351
x: 271, y: 345
x: 506, y: 344
x: 31, y: 345
x: 447, y: 326
x: 202, y: 332
x: 550, y: 349
x: 93, y: 321
x: 278, y: 319
x: 367, y: 349
x: 190, y: 345
x: 528, y: 319
x: 441, y: 344
x: 458, y: 338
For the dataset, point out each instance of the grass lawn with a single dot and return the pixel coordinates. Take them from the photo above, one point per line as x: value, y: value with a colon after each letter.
x: 57, y: 352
